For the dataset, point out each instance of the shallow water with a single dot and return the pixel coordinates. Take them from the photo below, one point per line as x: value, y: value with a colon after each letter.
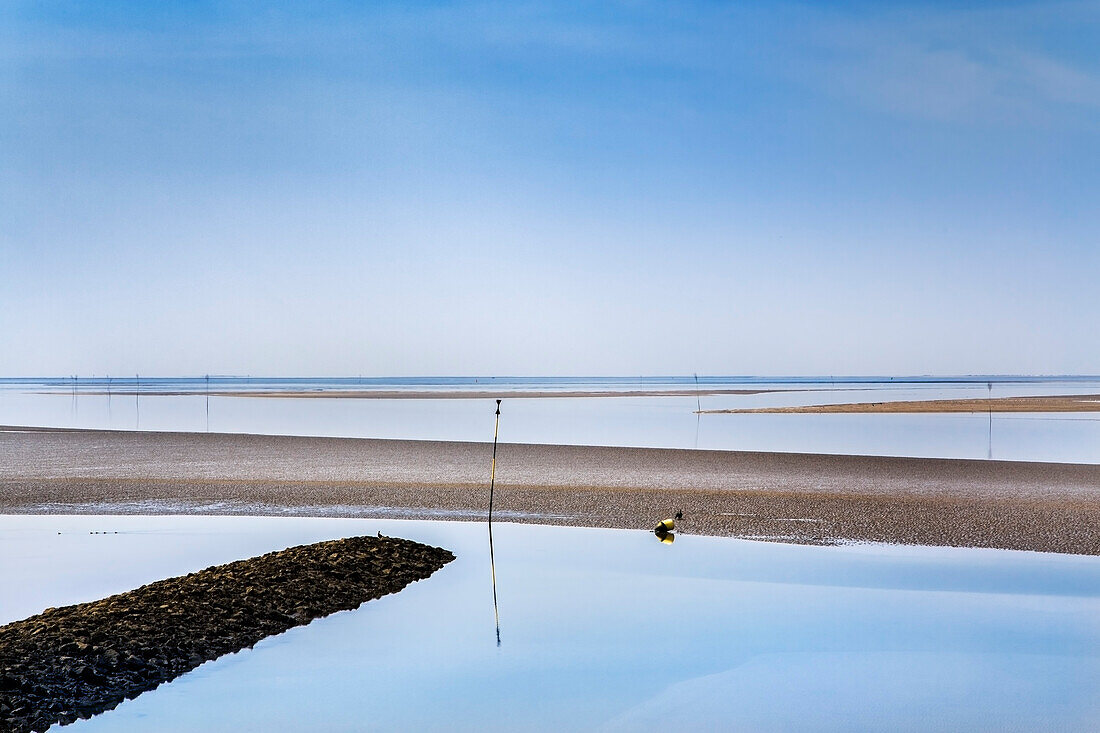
x: 608, y: 630
x: 657, y: 422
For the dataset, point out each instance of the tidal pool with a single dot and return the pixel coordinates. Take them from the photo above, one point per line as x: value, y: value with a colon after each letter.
x: 607, y: 630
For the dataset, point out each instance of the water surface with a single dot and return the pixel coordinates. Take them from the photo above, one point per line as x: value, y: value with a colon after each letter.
x: 649, y: 421
x: 608, y: 630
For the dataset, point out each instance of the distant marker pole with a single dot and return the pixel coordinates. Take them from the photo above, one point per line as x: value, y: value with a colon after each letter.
x: 989, y: 404
x: 698, y: 411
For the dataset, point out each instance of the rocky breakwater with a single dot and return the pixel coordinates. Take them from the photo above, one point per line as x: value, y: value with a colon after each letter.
x: 73, y: 662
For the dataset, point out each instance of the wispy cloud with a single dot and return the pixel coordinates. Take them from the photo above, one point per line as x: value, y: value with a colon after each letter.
x: 994, y: 65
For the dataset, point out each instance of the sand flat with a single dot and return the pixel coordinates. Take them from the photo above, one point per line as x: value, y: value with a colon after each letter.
x: 1040, y: 403
x: 791, y: 497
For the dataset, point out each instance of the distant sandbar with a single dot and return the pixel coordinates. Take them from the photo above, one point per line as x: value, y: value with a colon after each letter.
x: 400, y: 394
x: 1041, y: 403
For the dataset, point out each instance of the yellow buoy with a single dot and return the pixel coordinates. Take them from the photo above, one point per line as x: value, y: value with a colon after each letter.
x: 666, y: 538
x: 665, y: 525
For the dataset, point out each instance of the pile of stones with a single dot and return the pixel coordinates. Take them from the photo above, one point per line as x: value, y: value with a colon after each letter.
x: 73, y: 662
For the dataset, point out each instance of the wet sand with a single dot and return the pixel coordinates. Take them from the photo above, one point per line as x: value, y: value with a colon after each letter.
x: 1042, y: 403
x: 788, y: 497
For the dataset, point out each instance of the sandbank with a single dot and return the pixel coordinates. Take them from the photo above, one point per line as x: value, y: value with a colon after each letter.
x: 778, y: 496
x: 1040, y: 403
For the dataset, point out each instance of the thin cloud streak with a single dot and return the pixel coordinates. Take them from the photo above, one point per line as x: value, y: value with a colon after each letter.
x: 964, y: 66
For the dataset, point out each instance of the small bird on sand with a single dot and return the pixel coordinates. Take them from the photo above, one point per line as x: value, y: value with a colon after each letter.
x: 379, y: 533
x: 679, y: 514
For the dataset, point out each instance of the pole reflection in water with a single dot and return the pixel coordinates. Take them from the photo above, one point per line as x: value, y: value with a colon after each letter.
x: 493, y: 572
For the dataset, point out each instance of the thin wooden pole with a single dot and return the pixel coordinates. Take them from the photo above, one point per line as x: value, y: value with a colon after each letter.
x: 492, y: 557
x: 493, y: 469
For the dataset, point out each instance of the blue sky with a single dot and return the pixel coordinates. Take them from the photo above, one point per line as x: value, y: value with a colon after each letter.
x: 511, y: 188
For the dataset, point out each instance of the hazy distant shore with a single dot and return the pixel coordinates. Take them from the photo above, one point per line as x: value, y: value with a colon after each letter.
x: 427, y: 394
x: 789, y: 497
x: 1042, y: 403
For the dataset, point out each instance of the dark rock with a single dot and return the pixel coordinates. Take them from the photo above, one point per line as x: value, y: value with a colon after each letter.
x: 76, y: 661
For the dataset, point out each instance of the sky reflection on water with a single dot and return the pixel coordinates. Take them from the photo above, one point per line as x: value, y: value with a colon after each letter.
x: 610, y: 629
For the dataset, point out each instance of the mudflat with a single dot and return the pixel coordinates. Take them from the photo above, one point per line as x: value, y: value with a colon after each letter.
x: 1038, y: 403
x: 781, y: 496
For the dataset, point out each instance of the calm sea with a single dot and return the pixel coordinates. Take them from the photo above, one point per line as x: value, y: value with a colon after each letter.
x: 660, y: 421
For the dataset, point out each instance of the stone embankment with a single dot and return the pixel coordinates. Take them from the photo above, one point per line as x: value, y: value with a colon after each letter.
x: 73, y: 662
